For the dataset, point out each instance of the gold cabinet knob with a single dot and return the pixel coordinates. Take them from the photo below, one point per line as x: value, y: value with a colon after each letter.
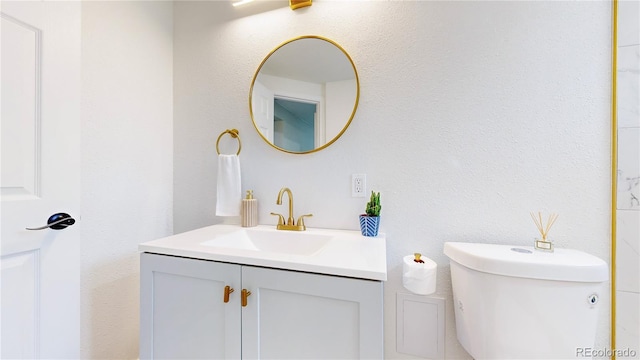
x: 245, y: 295
x: 227, y: 290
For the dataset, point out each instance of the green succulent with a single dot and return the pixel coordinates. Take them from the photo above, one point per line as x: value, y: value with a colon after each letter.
x: 373, y: 206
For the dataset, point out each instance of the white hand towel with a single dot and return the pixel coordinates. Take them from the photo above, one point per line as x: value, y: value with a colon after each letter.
x: 229, y: 193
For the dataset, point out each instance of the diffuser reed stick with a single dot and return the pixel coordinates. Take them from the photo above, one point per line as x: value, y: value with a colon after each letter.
x: 544, y: 230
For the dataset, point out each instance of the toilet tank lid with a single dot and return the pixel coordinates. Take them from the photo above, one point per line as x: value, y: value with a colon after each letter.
x: 526, y: 262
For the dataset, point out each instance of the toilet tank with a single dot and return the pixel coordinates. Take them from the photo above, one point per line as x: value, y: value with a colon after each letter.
x: 514, y: 302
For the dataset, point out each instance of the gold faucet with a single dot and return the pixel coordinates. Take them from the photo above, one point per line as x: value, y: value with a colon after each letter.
x: 291, y: 223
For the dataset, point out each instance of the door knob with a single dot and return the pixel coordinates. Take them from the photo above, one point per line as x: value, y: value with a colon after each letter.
x: 57, y: 221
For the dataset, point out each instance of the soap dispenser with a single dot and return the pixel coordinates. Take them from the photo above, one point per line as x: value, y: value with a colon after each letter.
x: 249, y: 210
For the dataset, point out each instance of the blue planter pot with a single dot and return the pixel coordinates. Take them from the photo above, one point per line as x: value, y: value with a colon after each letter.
x: 369, y: 225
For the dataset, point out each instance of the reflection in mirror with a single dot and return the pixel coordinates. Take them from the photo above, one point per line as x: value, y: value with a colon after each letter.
x: 304, y: 95
x: 294, y: 124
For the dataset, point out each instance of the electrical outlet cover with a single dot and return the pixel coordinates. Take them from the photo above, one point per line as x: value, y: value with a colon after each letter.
x: 358, y: 185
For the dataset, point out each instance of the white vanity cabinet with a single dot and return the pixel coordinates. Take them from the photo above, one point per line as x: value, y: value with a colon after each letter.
x: 288, y: 315
x: 182, y: 311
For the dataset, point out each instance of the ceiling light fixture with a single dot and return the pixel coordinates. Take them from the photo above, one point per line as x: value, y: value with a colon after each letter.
x: 296, y: 4
x: 241, y: 2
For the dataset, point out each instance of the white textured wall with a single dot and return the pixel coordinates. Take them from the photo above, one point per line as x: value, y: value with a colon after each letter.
x: 471, y: 115
x: 127, y: 124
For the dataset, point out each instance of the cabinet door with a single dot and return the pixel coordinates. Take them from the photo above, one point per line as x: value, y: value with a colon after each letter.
x: 182, y: 310
x: 293, y: 315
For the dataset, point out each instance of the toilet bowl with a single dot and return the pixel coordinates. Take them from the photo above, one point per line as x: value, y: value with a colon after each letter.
x: 514, y: 302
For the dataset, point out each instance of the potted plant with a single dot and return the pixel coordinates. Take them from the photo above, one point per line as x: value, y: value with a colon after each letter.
x: 370, y: 220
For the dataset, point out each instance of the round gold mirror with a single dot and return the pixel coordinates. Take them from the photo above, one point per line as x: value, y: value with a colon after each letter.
x: 304, y: 94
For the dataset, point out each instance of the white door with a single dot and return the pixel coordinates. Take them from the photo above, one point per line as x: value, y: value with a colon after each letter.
x: 262, y: 107
x: 40, y: 152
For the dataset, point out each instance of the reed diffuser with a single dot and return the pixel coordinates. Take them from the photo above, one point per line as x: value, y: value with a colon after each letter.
x: 544, y: 244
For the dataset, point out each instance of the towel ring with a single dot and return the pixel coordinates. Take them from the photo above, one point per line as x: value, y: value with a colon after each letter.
x: 234, y: 134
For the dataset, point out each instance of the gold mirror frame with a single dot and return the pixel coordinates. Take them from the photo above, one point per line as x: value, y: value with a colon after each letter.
x: 355, y: 105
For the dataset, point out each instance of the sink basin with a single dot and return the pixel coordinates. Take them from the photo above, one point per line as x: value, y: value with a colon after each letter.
x: 282, y: 242
x: 320, y: 251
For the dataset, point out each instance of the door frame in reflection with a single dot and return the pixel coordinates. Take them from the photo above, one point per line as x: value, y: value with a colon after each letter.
x: 298, y: 123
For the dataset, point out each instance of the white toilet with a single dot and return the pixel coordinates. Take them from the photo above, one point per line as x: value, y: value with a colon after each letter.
x: 514, y: 302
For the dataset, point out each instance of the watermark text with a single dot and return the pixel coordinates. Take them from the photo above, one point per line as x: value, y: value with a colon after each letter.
x: 588, y: 352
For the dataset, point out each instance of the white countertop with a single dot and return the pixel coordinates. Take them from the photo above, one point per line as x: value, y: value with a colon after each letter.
x: 347, y: 253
